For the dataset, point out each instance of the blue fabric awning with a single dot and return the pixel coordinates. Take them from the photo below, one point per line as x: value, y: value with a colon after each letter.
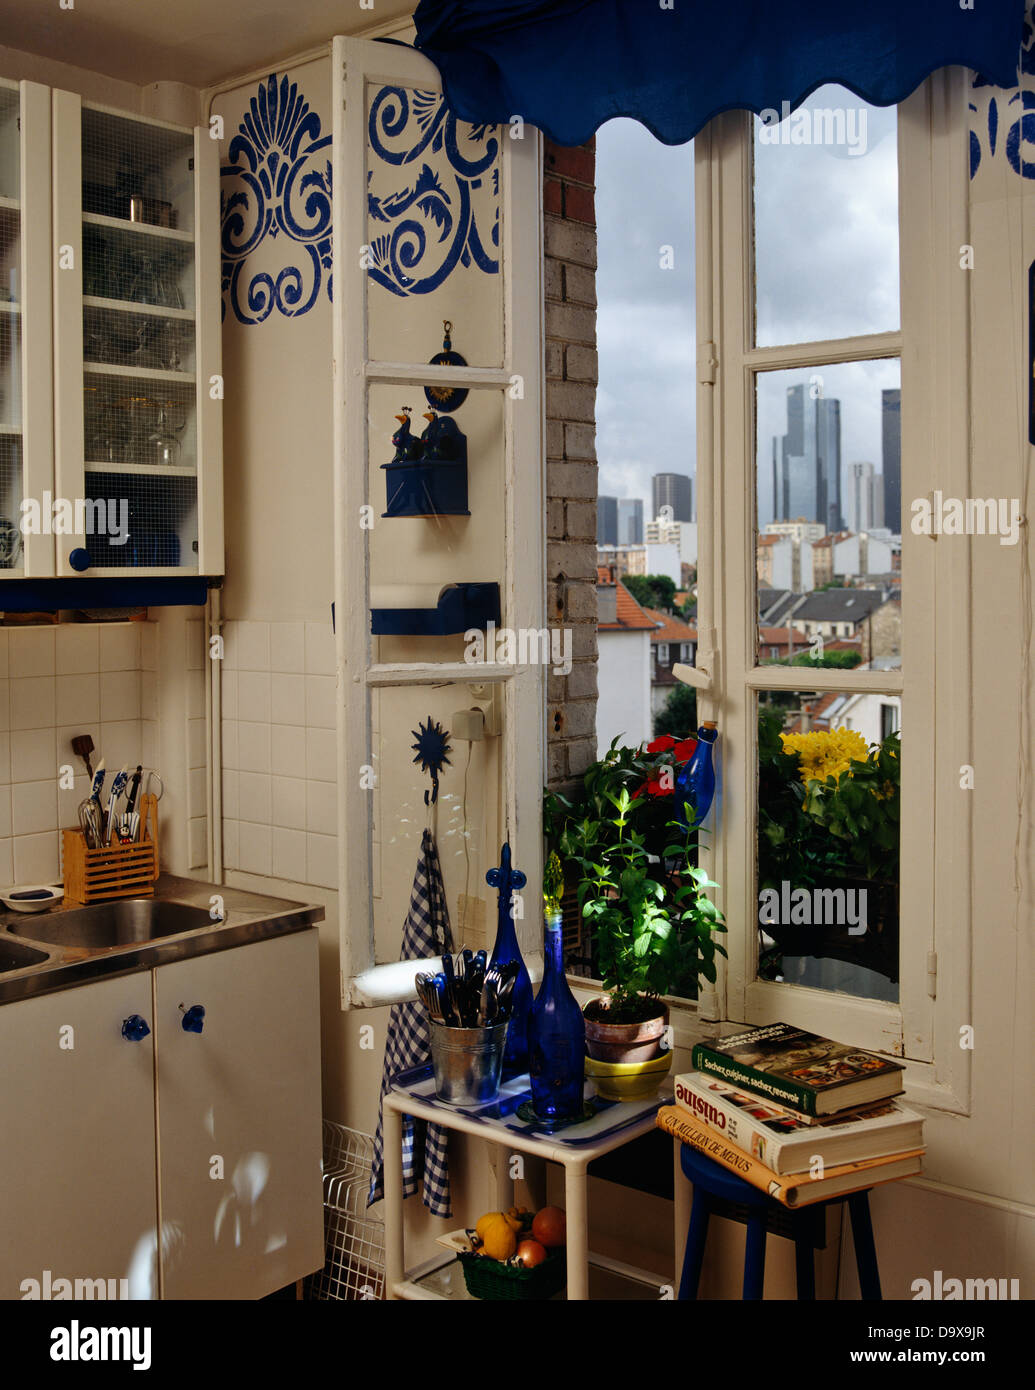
x: 567, y: 66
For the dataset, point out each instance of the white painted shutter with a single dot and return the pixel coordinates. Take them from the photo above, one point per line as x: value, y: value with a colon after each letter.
x: 434, y: 219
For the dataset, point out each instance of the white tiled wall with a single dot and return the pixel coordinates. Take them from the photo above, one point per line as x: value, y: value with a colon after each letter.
x: 279, y: 751
x: 56, y: 682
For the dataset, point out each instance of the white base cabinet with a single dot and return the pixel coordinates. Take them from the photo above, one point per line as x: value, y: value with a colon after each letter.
x: 186, y: 1163
x: 239, y: 1120
x: 77, y: 1140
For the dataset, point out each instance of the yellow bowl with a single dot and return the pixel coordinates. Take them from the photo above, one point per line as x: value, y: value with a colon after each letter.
x: 628, y: 1080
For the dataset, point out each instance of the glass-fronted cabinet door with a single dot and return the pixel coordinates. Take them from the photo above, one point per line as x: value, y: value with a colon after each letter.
x: 136, y: 351
x: 26, y: 402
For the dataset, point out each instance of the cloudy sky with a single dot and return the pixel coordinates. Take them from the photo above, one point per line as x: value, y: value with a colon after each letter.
x: 827, y: 266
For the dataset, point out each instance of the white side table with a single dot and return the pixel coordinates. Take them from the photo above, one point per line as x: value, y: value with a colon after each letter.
x: 574, y: 1147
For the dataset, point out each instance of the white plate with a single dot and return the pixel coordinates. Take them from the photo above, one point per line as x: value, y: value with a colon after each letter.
x: 54, y: 895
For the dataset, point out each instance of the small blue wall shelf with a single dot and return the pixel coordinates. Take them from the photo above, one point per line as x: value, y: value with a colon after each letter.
x: 459, y: 607
x: 428, y: 476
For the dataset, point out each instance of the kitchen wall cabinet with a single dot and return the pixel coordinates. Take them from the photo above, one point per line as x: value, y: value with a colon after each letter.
x: 233, y: 1179
x: 110, y: 357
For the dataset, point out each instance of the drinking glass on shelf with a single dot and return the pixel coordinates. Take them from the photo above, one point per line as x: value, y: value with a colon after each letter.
x: 170, y: 344
x: 167, y: 291
x: 165, y: 442
x: 143, y: 281
x: 109, y: 436
x: 142, y: 415
x: 144, y: 354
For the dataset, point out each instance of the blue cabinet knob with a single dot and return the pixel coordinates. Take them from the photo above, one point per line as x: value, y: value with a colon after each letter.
x: 193, y: 1018
x: 79, y: 558
x: 134, y: 1028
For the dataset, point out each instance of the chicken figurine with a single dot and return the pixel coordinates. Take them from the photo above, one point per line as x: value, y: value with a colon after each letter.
x: 442, y: 438
x: 408, y: 448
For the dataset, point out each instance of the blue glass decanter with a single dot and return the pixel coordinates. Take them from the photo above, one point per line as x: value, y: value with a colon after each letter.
x: 508, y: 881
x: 556, y: 1035
x: 695, y: 785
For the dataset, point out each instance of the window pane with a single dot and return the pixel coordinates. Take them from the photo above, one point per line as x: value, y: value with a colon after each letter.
x: 829, y: 546
x: 647, y: 508
x: 826, y: 220
x: 828, y: 841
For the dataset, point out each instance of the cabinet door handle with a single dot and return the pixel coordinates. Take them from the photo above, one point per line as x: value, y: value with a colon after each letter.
x: 193, y: 1018
x: 79, y: 559
x: 134, y: 1028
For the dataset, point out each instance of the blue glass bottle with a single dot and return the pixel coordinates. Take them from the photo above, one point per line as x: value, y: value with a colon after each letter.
x: 556, y: 1036
x: 507, y: 881
x: 695, y: 785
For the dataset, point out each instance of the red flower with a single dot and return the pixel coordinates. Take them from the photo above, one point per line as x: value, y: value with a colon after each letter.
x: 681, y: 749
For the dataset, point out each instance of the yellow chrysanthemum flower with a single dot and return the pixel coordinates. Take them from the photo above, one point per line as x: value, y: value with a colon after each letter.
x: 823, y: 753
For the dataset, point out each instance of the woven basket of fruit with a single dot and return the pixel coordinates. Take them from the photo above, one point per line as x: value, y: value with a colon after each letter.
x: 516, y: 1255
x: 494, y: 1279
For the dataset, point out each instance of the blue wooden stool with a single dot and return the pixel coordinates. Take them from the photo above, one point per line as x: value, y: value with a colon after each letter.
x: 712, y: 1181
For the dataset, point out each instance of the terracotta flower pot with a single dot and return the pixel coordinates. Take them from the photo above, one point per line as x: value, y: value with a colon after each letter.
x: 625, y: 1042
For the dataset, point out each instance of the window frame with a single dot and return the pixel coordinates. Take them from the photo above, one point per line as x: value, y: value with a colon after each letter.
x: 933, y: 345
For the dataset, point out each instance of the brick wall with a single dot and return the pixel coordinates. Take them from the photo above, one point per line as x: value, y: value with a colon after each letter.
x: 571, y: 459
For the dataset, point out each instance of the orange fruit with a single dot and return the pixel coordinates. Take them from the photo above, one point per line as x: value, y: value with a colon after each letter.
x: 549, y: 1227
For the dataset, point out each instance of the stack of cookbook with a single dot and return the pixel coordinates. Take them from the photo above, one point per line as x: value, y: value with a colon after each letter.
x: 798, y: 1116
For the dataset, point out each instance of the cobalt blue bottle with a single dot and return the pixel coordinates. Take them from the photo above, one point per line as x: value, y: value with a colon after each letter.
x: 695, y: 785
x: 556, y: 1036
x: 507, y: 881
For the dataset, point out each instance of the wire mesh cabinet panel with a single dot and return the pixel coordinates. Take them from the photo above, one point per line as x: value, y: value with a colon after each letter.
x: 137, y: 351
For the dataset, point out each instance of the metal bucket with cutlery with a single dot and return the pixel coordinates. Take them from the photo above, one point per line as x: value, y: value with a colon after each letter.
x: 468, y: 1005
x: 467, y: 1062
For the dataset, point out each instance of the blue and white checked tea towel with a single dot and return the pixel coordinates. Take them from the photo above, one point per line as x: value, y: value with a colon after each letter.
x: 426, y: 933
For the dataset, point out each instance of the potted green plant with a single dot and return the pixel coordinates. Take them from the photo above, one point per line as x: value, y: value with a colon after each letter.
x: 653, y: 927
x: 580, y: 823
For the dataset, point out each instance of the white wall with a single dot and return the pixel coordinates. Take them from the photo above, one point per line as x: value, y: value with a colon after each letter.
x: 623, y: 682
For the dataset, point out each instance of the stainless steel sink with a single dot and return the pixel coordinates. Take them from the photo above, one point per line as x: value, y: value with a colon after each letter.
x: 122, y: 923
x: 14, y: 956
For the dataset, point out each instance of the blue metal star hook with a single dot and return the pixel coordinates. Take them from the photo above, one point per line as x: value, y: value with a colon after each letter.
x: 432, y: 749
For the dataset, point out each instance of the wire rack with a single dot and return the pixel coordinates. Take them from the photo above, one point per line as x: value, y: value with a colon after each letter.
x: 354, y: 1267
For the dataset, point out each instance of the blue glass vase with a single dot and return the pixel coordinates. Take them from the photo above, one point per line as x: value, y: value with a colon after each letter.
x: 507, y: 881
x: 556, y: 1037
x: 695, y: 785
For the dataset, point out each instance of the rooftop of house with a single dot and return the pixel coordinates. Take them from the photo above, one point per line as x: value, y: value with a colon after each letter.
x: 775, y: 604
x: 778, y: 636
x: 670, y: 628
x: 630, y: 617
x: 839, y: 605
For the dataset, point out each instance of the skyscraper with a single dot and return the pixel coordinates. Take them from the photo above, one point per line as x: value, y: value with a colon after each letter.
x: 864, y: 504
x: 675, y: 490
x: 891, y: 457
x: 607, y: 521
x: 630, y: 521
x: 807, y: 461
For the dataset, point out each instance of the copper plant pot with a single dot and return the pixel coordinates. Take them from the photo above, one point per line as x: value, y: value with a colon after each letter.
x: 626, y: 1042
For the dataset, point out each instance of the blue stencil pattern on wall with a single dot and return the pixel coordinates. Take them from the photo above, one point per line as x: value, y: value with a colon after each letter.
x: 277, y: 181
x: 432, y: 227
x: 1004, y: 118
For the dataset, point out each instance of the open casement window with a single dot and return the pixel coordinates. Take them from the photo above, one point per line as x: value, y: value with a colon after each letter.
x: 435, y: 221
x: 755, y: 369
